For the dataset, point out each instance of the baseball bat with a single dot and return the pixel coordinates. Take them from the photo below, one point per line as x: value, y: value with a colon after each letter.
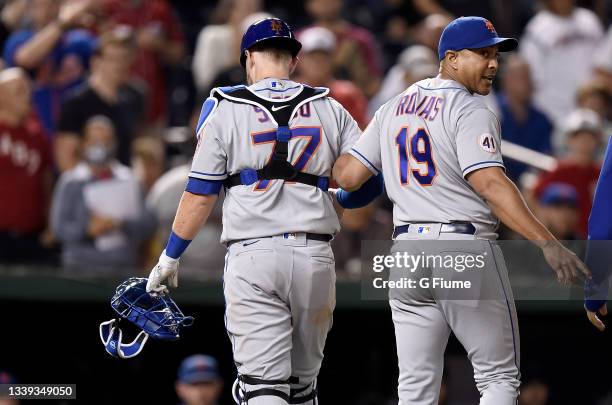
x: 528, y: 156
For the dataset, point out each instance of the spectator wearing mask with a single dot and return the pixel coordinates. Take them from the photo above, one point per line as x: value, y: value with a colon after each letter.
x: 198, y: 381
x: 108, y: 92
x: 55, y: 54
x: 521, y: 122
x: 25, y: 172
x: 98, y: 211
x: 579, y: 167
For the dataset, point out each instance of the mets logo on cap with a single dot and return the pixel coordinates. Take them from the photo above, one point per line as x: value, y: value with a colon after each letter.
x: 276, y: 26
x: 489, y: 25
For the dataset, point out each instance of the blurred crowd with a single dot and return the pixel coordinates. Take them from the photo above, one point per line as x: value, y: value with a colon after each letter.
x: 99, y: 98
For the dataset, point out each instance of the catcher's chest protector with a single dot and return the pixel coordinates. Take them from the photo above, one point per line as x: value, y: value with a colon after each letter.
x: 280, y: 112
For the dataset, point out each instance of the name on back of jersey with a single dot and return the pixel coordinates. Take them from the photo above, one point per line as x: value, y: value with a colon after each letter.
x: 426, y: 108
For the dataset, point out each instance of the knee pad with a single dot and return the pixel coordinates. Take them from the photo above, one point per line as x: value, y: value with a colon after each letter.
x: 242, y: 394
x: 304, y: 394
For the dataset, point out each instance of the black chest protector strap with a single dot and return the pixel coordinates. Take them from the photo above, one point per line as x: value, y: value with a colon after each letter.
x: 281, y: 111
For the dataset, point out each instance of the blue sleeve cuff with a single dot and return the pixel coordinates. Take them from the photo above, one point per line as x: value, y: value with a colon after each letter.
x: 176, y: 246
x: 204, y: 187
x: 364, y: 195
x: 594, y: 305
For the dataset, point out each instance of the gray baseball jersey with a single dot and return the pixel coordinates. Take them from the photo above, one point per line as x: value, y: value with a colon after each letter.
x: 239, y: 136
x: 426, y: 140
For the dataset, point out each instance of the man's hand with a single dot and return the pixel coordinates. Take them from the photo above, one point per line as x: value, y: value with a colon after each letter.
x: 566, y: 265
x: 594, y: 319
x: 72, y: 11
x: 166, y: 268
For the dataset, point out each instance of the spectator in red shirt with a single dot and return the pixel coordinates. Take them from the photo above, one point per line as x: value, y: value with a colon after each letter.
x: 160, y: 42
x: 357, y: 57
x: 579, y: 168
x: 316, y: 69
x: 25, y: 175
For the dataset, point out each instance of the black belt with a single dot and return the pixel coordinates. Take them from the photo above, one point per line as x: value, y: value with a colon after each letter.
x: 323, y: 237
x: 454, y: 227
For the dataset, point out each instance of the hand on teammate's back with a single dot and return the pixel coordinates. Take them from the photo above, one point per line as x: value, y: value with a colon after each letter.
x: 567, y: 266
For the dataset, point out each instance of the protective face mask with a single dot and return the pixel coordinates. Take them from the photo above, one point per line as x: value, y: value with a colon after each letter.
x: 98, y: 154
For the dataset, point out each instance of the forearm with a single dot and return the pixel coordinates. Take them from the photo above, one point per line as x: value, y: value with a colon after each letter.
x: 508, y: 205
x: 33, y: 52
x: 350, y: 173
x: 361, y: 197
x: 192, y: 213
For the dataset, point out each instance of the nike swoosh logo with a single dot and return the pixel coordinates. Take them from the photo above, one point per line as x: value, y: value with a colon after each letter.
x: 250, y: 243
x: 275, y: 108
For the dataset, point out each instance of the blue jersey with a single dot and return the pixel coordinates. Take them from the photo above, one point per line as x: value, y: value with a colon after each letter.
x: 599, y: 256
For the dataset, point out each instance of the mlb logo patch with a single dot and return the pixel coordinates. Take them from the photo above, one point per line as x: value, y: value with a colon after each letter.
x: 423, y: 229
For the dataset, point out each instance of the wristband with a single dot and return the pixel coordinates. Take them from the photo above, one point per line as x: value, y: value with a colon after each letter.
x: 364, y: 195
x: 593, y: 305
x: 176, y: 246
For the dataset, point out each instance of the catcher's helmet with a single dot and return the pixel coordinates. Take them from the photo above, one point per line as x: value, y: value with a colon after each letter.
x: 155, y: 313
x: 271, y: 30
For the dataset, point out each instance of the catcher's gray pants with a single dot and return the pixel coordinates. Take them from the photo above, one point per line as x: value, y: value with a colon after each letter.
x: 487, y: 328
x: 280, y: 296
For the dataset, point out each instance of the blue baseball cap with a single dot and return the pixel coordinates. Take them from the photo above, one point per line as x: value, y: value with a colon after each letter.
x: 269, y: 30
x: 559, y: 194
x: 472, y: 33
x: 198, y: 368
